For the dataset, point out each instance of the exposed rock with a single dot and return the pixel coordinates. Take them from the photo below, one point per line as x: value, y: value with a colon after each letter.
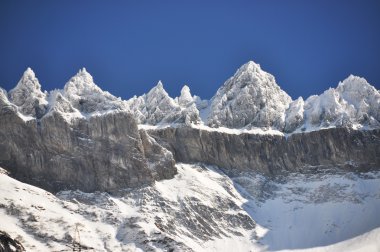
x: 273, y: 154
x: 8, y: 244
x: 100, y: 153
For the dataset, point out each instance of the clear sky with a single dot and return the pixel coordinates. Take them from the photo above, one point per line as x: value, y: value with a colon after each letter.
x: 129, y: 45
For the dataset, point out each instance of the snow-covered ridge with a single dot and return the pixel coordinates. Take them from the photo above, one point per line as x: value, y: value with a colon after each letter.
x: 249, y: 100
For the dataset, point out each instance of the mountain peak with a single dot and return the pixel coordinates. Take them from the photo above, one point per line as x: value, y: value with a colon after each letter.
x: 249, y: 98
x: 81, y: 83
x: 29, y: 72
x: 160, y: 85
x: 185, y: 97
x: 28, y: 95
x: 28, y: 81
x: 249, y: 67
x: 82, y: 73
x: 353, y: 82
x: 158, y: 90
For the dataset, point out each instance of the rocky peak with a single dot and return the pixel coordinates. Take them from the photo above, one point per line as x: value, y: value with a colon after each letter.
x: 87, y: 97
x: 27, y: 95
x: 185, y: 98
x: 81, y: 83
x: 251, y: 97
x: 355, y: 89
x: 157, y: 92
x: 353, y: 102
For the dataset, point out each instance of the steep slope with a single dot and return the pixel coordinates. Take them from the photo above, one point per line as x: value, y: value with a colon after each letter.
x: 251, y: 98
x: 201, y: 209
x: 198, y: 210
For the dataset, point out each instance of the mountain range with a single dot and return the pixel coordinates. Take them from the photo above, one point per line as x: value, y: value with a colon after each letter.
x: 251, y: 98
x: 248, y: 170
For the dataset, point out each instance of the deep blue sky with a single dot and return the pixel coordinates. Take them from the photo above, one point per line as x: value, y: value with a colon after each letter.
x: 129, y: 45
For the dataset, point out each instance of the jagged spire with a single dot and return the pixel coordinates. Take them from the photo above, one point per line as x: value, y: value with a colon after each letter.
x: 185, y: 97
x: 28, y: 81
x: 28, y: 95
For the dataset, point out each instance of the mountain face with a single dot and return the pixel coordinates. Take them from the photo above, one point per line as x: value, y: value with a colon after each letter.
x: 86, y: 139
x: 156, y: 173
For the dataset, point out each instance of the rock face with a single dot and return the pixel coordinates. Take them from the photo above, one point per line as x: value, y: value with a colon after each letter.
x: 273, y: 154
x: 102, y: 153
x: 75, y: 146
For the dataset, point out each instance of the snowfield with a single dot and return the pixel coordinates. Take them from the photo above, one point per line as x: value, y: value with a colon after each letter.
x: 202, y: 209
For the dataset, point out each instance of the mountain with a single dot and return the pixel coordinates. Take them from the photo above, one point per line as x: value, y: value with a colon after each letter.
x: 250, y: 169
x: 250, y: 98
x: 201, y: 209
x: 86, y: 139
x: 354, y: 103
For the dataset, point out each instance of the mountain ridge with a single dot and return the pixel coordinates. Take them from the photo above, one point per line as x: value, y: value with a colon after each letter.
x: 251, y: 98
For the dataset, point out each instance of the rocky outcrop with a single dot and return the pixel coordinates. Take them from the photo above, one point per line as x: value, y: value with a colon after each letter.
x: 8, y: 244
x: 99, y: 153
x: 272, y: 154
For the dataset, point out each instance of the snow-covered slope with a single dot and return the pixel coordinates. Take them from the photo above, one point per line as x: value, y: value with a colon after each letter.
x: 250, y: 98
x: 300, y: 211
x: 199, y: 210
x: 202, y: 209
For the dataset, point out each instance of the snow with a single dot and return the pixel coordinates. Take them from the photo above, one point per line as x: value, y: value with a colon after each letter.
x: 253, y: 130
x: 157, y: 107
x: 250, y: 98
x: 27, y: 95
x: 330, y: 211
x: 368, y: 242
x: 248, y: 101
x: 302, y: 211
x: 87, y: 97
x: 43, y: 222
x: 354, y: 103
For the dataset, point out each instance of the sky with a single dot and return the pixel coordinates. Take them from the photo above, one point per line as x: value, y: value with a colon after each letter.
x: 128, y: 46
